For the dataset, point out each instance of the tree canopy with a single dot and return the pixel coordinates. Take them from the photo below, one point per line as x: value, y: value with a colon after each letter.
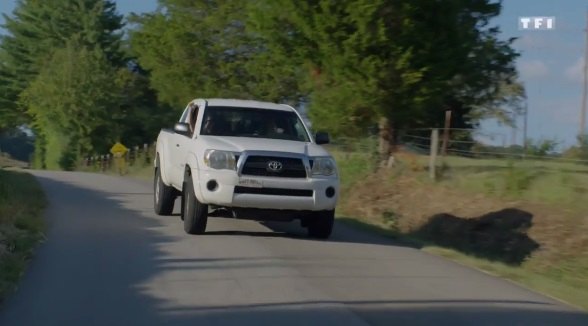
x: 65, y: 72
x: 353, y: 64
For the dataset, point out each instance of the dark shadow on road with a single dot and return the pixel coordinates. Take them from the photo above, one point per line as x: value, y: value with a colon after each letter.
x: 342, y: 232
x: 271, y: 234
x: 100, y: 257
x: 499, y: 236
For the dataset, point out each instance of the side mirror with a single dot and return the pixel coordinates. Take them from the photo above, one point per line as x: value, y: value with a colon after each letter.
x: 182, y: 128
x: 322, y: 138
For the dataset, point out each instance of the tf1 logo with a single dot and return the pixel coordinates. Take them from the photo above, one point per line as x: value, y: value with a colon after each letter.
x: 536, y: 23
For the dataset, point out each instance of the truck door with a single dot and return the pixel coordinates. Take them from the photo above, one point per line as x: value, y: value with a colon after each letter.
x: 175, y: 157
x: 184, y: 145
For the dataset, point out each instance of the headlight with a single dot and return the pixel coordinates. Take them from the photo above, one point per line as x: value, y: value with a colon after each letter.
x: 219, y: 159
x: 323, y: 166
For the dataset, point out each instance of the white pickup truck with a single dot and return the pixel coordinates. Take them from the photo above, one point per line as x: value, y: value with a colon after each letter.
x: 256, y: 160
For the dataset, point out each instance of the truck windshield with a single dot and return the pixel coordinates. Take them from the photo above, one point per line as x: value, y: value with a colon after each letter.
x: 253, y: 122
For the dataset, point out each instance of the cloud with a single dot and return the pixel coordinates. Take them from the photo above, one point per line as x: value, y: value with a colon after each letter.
x: 533, y: 69
x: 575, y: 72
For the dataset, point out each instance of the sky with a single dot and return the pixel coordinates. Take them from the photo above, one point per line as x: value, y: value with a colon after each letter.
x: 550, y: 64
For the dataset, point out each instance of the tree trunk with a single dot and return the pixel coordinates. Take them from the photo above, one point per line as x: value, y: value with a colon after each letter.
x: 387, y: 144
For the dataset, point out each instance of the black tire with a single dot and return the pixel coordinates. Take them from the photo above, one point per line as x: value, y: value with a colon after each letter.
x: 163, y: 196
x: 194, y: 213
x: 320, y: 225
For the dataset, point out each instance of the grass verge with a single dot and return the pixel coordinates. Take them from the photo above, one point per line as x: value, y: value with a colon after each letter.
x: 21, y: 225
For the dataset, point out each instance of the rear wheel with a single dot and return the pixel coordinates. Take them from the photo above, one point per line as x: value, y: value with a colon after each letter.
x: 320, y: 225
x: 163, y: 196
x: 194, y: 213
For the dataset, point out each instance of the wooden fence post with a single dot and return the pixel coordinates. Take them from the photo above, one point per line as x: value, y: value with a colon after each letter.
x: 446, y: 132
x: 433, y: 154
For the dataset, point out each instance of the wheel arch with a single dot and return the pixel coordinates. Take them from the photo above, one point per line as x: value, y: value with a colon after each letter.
x: 160, y: 164
x: 191, y: 169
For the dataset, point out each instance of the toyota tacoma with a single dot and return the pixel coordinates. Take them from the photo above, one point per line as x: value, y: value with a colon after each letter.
x: 250, y: 159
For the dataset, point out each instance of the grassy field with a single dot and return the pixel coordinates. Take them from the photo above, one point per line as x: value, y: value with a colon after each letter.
x: 21, y: 225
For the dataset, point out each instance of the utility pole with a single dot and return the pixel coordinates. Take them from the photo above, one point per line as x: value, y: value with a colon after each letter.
x: 525, y: 128
x: 513, y: 137
x: 585, y: 88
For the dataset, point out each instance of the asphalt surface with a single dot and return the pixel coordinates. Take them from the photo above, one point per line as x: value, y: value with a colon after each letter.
x: 109, y: 260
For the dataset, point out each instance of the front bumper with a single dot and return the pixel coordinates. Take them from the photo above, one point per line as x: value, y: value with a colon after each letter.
x: 308, y: 194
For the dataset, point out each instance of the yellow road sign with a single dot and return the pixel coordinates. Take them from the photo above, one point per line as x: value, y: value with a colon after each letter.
x: 119, y: 149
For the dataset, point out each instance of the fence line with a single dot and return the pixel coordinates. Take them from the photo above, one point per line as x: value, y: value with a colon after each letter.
x: 417, y: 144
x: 135, y: 156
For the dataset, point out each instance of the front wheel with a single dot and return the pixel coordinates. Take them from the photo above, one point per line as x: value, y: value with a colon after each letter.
x: 320, y: 224
x: 194, y: 213
x: 163, y: 196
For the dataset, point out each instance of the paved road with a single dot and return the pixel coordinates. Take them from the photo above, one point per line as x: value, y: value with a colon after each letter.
x: 110, y: 261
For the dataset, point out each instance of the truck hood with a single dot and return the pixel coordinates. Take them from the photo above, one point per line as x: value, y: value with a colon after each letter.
x: 240, y: 144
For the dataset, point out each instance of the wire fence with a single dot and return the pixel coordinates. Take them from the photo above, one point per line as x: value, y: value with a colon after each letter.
x: 462, y: 147
x: 476, y: 144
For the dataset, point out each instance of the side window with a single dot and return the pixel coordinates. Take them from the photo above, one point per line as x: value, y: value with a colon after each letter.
x: 193, y: 117
x: 184, y: 116
x: 300, y: 131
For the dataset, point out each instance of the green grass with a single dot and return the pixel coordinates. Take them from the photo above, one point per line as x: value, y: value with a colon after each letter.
x: 352, y: 167
x: 21, y: 225
x: 555, y: 183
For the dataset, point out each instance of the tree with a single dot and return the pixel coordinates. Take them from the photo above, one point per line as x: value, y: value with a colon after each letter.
x: 38, y: 28
x: 541, y: 147
x: 400, y: 64
x: 206, y: 49
x: 73, y: 102
x: 188, y: 47
x: 64, y: 70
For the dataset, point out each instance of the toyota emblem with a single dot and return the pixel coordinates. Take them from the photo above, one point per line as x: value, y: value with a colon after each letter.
x: 274, y: 166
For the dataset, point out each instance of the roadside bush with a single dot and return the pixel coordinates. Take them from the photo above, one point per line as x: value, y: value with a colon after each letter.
x: 516, y: 180
x: 21, y: 225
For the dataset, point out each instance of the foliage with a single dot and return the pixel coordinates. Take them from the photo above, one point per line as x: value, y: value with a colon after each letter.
x: 200, y: 49
x: 73, y: 97
x: 362, y: 60
x: 542, y: 147
x: 64, y: 70
x: 21, y: 225
x: 350, y: 63
x: 580, y: 151
x: 39, y: 27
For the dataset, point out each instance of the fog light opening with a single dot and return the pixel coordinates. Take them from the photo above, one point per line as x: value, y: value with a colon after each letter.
x: 330, y: 192
x: 211, y: 185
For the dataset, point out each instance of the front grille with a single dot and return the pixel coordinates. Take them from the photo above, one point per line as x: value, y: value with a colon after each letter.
x: 274, y: 191
x: 258, y: 165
